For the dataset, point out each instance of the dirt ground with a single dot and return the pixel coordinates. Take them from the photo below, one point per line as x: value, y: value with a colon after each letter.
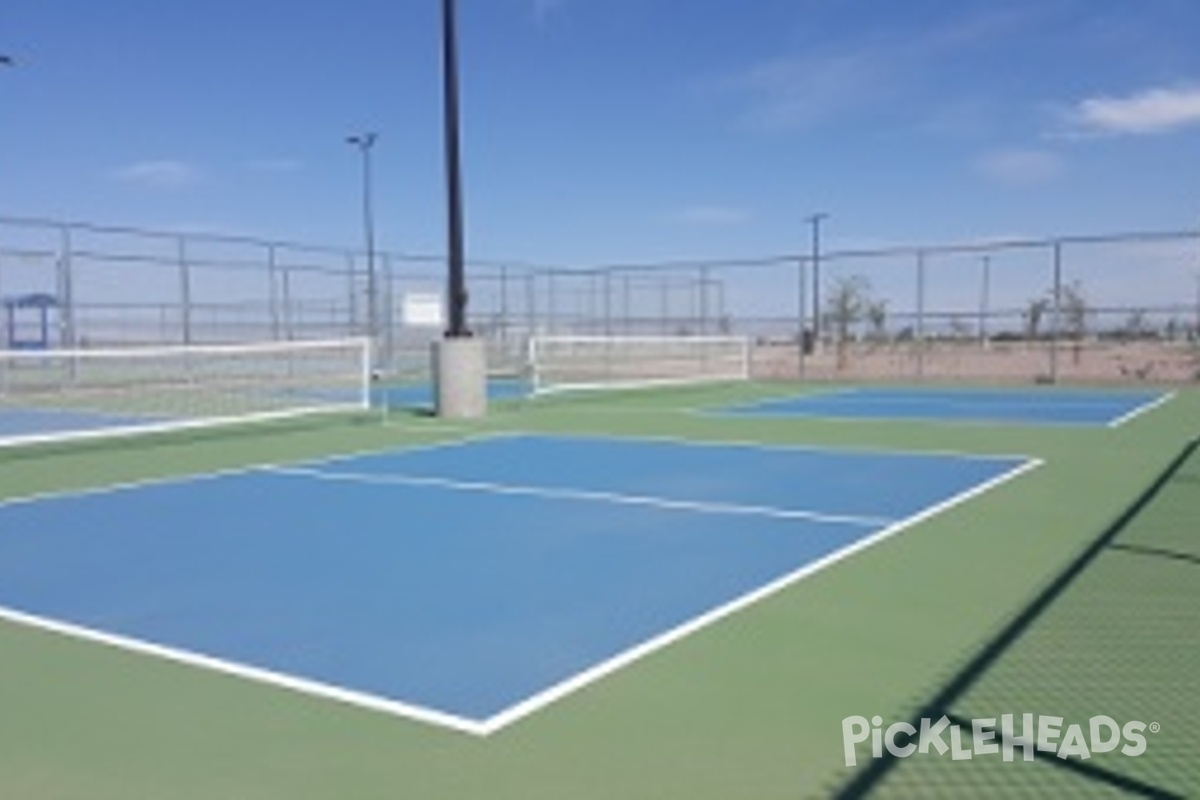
x: 1000, y: 362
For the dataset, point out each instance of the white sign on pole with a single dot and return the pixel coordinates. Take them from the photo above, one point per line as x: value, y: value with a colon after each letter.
x: 422, y: 310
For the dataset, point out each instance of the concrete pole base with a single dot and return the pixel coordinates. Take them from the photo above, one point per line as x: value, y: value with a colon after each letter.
x: 460, y: 378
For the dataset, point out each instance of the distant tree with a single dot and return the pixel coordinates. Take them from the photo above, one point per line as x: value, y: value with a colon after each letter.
x: 1034, y: 314
x: 877, y: 319
x: 1135, y: 324
x: 1074, y: 307
x: 959, y: 328
x: 846, y: 304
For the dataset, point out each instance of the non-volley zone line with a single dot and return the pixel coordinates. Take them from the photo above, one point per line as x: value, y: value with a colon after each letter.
x: 585, y: 495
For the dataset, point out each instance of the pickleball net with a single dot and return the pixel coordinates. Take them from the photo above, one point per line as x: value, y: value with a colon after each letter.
x: 574, y: 363
x: 58, y: 395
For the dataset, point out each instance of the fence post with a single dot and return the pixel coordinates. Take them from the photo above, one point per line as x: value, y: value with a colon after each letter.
x: 1056, y: 310
x: 608, y: 310
x: 627, y: 304
x: 985, y: 300
x: 289, y: 331
x: 801, y: 318
x: 66, y: 291
x: 503, y: 321
x: 273, y: 292
x: 353, y: 328
x: 387, y: 314
x: 919, y: 335
x: 1197, y: 333
x: 185, y: 291
x: 531, y: 304
x: 1198, y: 306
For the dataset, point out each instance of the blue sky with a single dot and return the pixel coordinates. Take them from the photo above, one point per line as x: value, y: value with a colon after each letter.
x: 599, y: 131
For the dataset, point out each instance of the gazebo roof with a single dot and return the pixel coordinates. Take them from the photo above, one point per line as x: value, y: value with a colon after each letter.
x: 33, y: 300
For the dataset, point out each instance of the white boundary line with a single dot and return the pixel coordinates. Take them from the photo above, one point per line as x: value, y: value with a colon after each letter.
x: 520, y: 710
x: 1143, y: 409
x: 589, y: 676
x: 260, y: 675
x: 552, y: 493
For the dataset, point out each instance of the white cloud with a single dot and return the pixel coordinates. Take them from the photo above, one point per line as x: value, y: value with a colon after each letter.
x: 873, y: 69
x: 1156, y: 110
x: 275, y: 165
x: 158, y: 174
x: 542, y: 9
x: 710, y: 216
x: 1020, y: 166
x: 789, y: 93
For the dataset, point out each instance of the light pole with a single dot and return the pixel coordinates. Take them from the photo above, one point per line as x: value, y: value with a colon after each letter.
x: 459, y: 360
x: 455, y: 279
x: 815, y: 221
x: 365, y: 142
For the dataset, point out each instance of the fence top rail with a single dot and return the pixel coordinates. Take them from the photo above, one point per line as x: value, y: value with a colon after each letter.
x: 982, y: 246
x: 216, y: 237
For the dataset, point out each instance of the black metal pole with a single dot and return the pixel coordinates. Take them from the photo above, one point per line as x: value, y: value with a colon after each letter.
x: 456, y: 282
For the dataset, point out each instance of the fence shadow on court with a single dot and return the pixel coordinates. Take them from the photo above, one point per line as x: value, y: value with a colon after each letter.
x: 1109, y: 635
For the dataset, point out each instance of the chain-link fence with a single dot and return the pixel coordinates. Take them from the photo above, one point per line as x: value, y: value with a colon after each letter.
x: 1105, y: 308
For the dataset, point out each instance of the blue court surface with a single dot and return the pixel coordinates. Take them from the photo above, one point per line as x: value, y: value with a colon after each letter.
x: 984, y: 406
x: 419, y: 396
x: 466, y: 584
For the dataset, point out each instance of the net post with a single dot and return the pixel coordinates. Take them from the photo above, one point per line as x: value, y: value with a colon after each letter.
x: 531, y: 362
x: 367, y: 375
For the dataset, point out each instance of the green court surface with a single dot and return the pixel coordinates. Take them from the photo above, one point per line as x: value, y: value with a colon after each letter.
x: 1069, y: 591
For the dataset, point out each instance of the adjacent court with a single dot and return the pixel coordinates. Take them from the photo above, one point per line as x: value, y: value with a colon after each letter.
x: 465, y: 584
x: 1075, y: 407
